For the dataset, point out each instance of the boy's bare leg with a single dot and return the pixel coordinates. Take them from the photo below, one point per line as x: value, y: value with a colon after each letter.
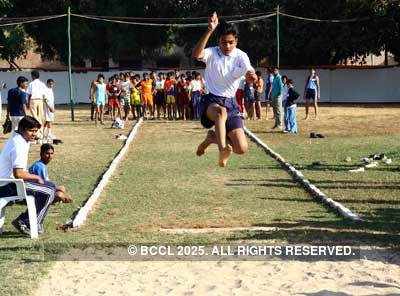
x: 307, y: 107
x: 238, y: 140
x: 219, y: 115
x: 316, y: 108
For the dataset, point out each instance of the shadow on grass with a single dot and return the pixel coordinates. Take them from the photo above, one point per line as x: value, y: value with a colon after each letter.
x: 380, y: 228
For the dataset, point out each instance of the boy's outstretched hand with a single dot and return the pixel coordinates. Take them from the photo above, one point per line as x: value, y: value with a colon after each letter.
x: 213, y: 21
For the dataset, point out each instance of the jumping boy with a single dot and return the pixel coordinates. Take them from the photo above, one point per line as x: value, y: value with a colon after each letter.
x: 225, y: 65
x: 39, y: 168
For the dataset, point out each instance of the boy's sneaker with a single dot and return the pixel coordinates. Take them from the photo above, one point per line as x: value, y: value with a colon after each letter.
x: 21, y: 227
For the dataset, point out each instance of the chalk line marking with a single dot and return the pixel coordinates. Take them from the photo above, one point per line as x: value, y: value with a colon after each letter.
x: 80, y: 217
x: 299, y: 177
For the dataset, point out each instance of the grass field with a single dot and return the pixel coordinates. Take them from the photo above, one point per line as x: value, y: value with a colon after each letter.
x: 162, y: 184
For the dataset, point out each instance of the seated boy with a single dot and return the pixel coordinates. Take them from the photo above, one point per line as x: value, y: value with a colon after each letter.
x: 39, y: 168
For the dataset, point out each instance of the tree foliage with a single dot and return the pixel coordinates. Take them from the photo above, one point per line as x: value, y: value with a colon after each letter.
x: 302, y: 42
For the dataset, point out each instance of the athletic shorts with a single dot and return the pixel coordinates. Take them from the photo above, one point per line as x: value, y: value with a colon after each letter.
x: 100, y: 103
x: 310, y: 94
x: 147, y: 99
x: 113, y: 103
x: 171, y: 99
x: 160, y: 98
x: 257, y: 96
x: 234, y: 120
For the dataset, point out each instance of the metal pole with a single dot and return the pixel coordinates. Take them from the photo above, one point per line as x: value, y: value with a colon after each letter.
x: 71, y: 100
x: 277, y: 38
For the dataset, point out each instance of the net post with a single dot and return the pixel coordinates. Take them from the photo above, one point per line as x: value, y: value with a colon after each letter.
x: 277, y: 38
x: 71, y: 100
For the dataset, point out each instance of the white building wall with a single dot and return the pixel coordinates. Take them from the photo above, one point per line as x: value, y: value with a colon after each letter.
x: 337, y: 86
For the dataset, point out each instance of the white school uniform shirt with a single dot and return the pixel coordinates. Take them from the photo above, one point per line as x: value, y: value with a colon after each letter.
x: 49, y: 102
x: 196, y: 85
x: 223, y: 72
x: 37, y: 89
x: 13, y: 156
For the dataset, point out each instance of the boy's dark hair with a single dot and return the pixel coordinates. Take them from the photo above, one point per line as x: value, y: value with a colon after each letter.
x: 289, y: 81
x: 224, y: 29
x: 46, y: 147
x: 35, y: 74
x: 21, y: 79
x: 100, y: 76
x: 28, y: 122
x: 258, y: 73
x: 50, y: 81
x: 137, y: 76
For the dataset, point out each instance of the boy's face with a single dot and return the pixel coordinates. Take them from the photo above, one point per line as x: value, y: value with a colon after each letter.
x: 47, y: 156
x: 24, y: 85
x: 50, y: 84
x: 30, y: 134
x: 101, y: 79
x: 227, y: 43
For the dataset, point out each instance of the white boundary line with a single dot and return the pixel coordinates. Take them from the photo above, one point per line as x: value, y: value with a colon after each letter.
x: 299, y: 177
x: 83, y: 212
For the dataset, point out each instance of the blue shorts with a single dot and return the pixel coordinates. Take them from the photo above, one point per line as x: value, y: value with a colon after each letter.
x: 234, y: 120
x: 310, y: 94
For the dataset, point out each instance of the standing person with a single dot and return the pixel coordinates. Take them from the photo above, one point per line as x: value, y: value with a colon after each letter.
x: 268, y: 89
x: 225, y: 65
x: 17, y: 102
x: 13, y: 164
x: 259, y: 87
x: 240, y: 95
x: 291, y: 109
x: 92, y: 98
x: 312, y: 92
x: 136, y: 103
x: 113, y: 91
x: 36, y: 93
x: 182, y: 97
x: 169, y: 88
x: 196, y: 90
x: 249, y: 99
x: 147, y: 95
x: 100, y: 98
x: 49, y: 111
x: 126, y: 88
x: 160, y: 94
x: 276, y: 97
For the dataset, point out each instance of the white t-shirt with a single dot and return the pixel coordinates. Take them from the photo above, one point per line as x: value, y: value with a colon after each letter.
x: 49, y: 102
x: 160, y: 84
x: 196, y: 85
x: 13, y: 156
x: 37, y: 89
x: 223, y: 73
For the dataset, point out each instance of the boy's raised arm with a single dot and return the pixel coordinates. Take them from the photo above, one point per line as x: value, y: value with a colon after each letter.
x: 198, y: 51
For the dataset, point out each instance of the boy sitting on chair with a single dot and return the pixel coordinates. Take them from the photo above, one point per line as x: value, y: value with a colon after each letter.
x: 39, y: 168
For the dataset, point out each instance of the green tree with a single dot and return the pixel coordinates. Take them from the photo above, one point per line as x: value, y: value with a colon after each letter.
x: 14, y: 42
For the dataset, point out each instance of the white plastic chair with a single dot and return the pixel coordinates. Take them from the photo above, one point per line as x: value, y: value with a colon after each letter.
x: 21, y: 195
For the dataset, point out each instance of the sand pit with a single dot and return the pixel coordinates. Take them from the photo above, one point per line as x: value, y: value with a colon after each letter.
x: 380, y: 276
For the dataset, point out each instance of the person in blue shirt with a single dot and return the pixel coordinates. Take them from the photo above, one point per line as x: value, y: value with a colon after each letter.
x: 39, y: 168
x: 17, y: 102
x: 276, y: 97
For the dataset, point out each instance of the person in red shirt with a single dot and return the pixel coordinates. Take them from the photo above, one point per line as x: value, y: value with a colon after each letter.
x: 169, y: 88
x: 113, y: 91
x: 183, y: 97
